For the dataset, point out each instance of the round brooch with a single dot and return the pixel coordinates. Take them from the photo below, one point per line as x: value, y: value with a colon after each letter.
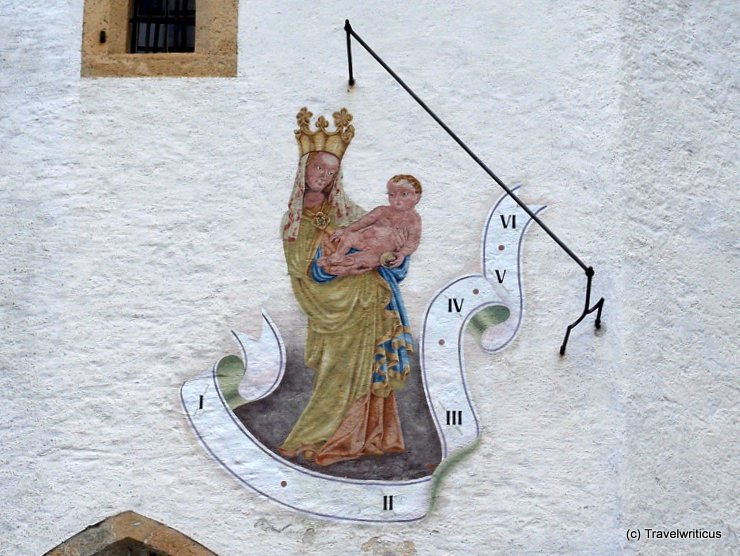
x: 320, y: 220
x: 387, y: 258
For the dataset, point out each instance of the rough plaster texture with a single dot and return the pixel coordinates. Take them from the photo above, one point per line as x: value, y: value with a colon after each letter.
x: 140, y: 224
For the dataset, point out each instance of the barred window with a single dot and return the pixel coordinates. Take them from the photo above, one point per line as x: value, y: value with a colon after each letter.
x: 162, y: 26
x: 157, y: 38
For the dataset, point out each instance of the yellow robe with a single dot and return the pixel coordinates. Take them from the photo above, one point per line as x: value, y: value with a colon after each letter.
x: 347, y: 317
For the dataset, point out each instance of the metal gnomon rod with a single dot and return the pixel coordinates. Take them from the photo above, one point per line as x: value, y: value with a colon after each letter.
x: 599, y: 305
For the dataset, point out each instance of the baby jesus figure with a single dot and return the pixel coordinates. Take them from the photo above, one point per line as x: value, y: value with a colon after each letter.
x: 384, y: 236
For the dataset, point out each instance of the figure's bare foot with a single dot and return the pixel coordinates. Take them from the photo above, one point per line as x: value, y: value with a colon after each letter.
x: 360, y: 269
x: 309, y: 455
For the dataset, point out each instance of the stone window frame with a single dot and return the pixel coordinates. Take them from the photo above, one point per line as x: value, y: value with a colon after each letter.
x: 133, y: 531
x: 105, y: 36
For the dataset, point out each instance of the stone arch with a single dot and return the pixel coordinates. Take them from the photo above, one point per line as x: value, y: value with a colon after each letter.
x: 129, y: 533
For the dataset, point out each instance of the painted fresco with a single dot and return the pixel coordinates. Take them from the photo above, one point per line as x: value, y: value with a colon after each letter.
x: 362, y: 420
x: 359, y: 338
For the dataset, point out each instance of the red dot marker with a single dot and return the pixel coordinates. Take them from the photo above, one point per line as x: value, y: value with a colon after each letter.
x: 441, y: 342
x: 501, y: 247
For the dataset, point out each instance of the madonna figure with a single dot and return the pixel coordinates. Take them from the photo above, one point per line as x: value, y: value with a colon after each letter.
x: 358, y: 340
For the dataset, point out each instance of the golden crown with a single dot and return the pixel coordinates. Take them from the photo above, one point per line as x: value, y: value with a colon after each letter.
x: 334, y: 142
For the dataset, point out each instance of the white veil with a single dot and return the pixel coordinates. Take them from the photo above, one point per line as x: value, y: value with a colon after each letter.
x: 345, y: 210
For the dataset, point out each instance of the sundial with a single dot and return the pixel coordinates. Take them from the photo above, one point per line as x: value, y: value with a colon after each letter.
x: 386, y: 410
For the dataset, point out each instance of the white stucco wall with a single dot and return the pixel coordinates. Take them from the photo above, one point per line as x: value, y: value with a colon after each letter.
x: 139, y: 223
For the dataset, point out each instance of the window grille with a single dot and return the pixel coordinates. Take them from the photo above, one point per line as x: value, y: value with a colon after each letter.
x: 162, y: 26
